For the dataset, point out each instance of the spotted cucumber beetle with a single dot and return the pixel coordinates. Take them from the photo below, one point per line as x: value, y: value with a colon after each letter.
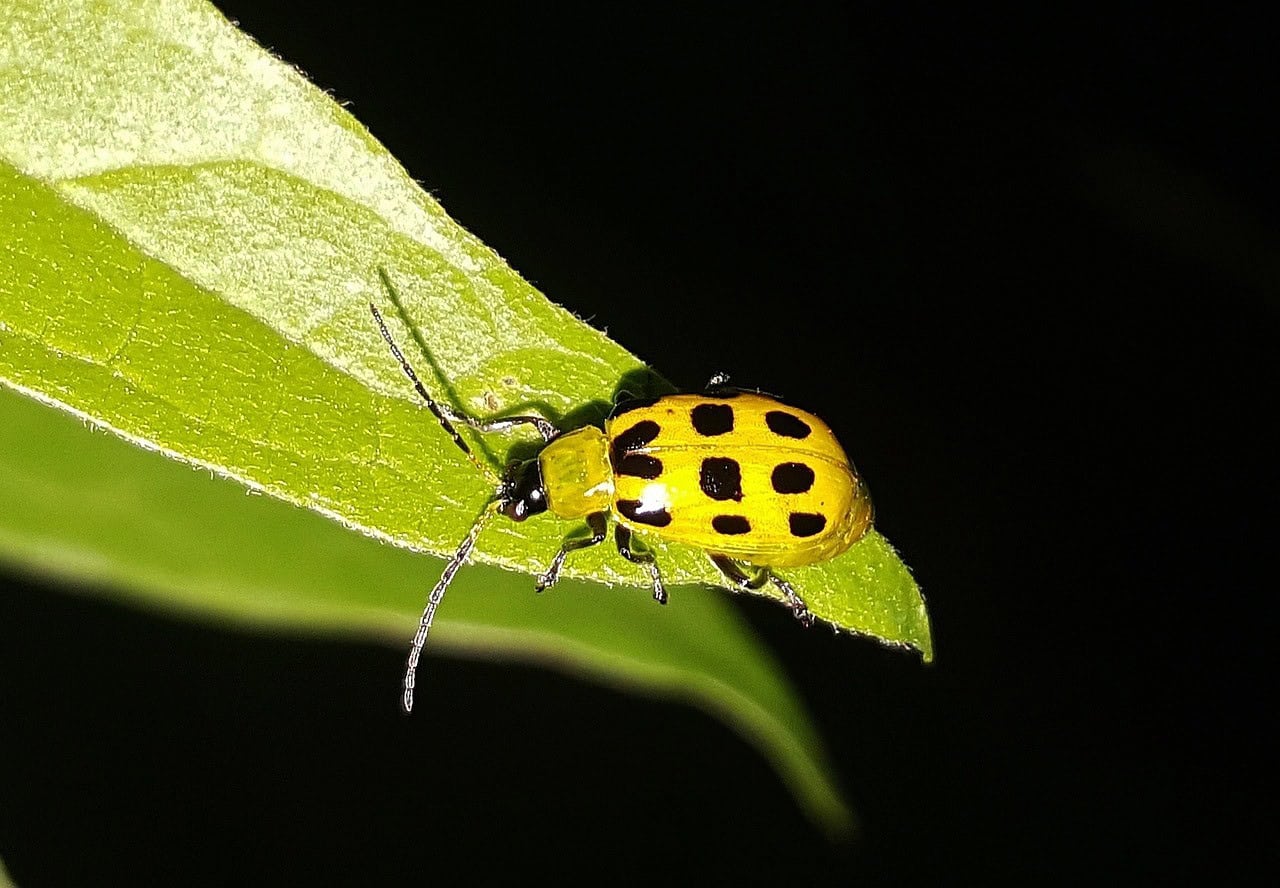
x: 752, y: 482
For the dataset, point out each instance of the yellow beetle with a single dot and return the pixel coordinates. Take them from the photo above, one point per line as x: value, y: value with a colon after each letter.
x: 754, y: 483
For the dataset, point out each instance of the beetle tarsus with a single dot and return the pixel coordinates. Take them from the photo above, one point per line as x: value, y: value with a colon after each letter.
x: 659, y: 593
x: 799, y: 609
x: 802, y: 613
x: 551, y: 575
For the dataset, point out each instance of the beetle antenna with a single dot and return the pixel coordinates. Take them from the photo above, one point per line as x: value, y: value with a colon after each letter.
x: 433, y: 602
x: 441, y: 413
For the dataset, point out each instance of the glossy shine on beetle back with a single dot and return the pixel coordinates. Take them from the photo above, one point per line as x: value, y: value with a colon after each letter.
x: 736, y: 473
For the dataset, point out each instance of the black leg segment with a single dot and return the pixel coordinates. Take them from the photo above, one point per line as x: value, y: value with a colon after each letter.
x: 598, y: 524
x: 799, y: 609
x: 626, y: 548
x: 755, y: 580
x: 739, y: 577
x: 505, y: 424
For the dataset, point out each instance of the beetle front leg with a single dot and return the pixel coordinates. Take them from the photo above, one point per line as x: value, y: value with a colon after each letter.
x: 622, y: 536
x: 598, y: 523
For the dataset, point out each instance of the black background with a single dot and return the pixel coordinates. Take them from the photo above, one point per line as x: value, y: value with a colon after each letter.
x: 1025, y: 266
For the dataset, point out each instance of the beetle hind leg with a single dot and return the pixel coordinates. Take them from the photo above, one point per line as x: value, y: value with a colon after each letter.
x: 734, y: 571
x: 756, y: 579
x: 598, y: 523
x: 799, y: 609
x: 633, y: 553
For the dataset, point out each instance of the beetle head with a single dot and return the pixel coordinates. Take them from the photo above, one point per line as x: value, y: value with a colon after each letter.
x: 522, y: 492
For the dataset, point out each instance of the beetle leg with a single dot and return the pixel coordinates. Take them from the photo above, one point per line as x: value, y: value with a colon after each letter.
x: 757, y: 578
x: 798, y: 608
x: 505, y: 424
x: 622, y: 536
x: 736, y: 575
x: 718, y: 386
x: 598, y: 523
x: 444, y: 412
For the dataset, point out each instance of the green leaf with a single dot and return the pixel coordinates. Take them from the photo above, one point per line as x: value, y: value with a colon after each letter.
x: 190, y: 235
x: 88, y: 506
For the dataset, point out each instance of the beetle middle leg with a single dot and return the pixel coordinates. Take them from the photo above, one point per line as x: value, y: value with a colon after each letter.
x: 757, y: 578
x: 628, y: 550
x: 598, y: 523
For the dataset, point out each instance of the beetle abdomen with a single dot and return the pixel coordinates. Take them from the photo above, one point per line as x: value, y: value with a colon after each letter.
x: 742, y: 475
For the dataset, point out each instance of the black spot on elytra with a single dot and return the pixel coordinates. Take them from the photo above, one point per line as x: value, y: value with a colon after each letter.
x: 788, y: 425
x: 730, y: 525
x: 792, y: 477
x: 652, y: 517
x: 721, y: 478
x: 638, y: 465
x: 710, y: 420
x: 633, y: 439
x: 806, y: 524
